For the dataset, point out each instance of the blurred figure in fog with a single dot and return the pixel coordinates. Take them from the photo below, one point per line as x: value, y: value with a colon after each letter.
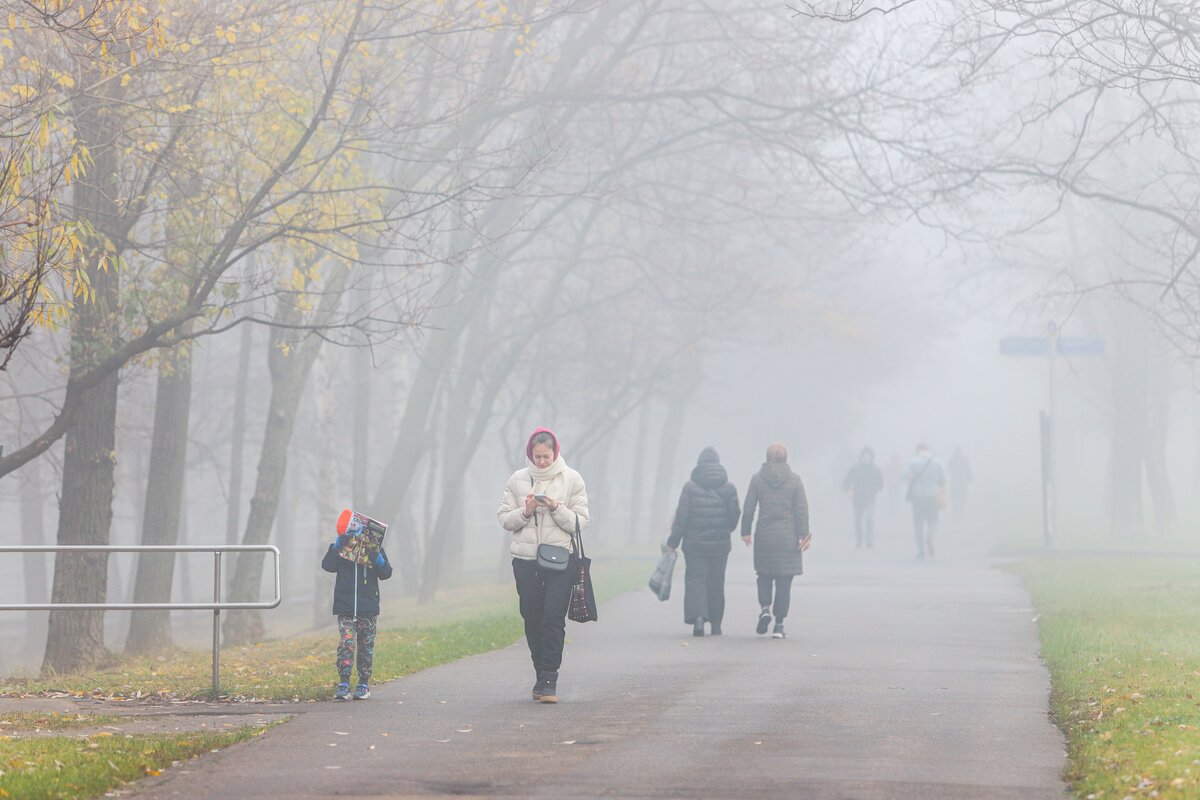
x: 926, y: 480
x: 781, y: 537
x: 959, y: 469
x: 891, y: 477
x: 708, y: 512
x: 862, y: 483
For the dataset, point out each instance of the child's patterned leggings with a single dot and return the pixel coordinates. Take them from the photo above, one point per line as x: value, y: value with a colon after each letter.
x: 349, y: 629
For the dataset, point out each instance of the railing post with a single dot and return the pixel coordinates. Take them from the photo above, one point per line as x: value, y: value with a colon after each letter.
x: 216, y: 664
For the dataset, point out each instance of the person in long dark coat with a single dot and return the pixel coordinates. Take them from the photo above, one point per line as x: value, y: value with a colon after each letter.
x: 781, y: 537
x: 862, y: 483
x: 707, y: 514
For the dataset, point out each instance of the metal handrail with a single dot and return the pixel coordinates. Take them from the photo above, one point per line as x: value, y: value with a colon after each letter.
x: 216, y: 606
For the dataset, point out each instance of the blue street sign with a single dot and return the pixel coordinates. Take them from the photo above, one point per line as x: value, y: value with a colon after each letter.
x: 1040, y: 346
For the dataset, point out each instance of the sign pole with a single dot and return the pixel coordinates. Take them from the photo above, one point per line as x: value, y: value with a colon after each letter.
x: 1052, y: 345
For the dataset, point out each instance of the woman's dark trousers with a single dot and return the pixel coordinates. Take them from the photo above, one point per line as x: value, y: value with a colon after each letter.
x: 704, y: 587
x: 782, y: 584
x: 544, y: 596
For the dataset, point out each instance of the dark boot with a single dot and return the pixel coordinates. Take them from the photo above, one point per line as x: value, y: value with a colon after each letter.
x: 764, y: 620
x: 537, y: 687
x: 548, y: 684
x: 698, y: 627
x: 715, y: 629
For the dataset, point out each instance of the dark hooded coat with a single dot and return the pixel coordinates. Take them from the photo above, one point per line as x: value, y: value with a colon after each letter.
x: 778, y: 495
x: 708, y: 509
x: 356, y: 589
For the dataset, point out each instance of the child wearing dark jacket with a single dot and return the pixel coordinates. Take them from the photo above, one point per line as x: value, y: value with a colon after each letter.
x: 356, y: 605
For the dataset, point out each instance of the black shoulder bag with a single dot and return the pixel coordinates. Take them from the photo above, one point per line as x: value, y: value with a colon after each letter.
x: 583, y: 598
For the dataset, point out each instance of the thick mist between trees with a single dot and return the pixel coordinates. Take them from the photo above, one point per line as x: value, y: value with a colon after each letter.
x: 298, y: 258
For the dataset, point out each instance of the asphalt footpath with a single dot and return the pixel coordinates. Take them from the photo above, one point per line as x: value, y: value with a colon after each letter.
x: 898, y: 679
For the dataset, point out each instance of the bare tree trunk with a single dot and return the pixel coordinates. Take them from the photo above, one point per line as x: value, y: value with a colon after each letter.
x: 597, y: 475
x: 288, y: 373
x: 150, y: 631
x: 289, y: 370
x: 637, y: 476
x: 326, y: 490
x: 1159, y: 424
x: 449, y: 527
x: 238, y: 433
x: 665, y: 490
x: 183, y: 565
x: 75, y: 639
x: 1129, y: 376
x: 360, y: 366
x: 284, y: 532
x: 33, y: 532
x: 397, y: 474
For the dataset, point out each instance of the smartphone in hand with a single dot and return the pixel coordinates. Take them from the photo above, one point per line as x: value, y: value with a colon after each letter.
x: 540, y: 499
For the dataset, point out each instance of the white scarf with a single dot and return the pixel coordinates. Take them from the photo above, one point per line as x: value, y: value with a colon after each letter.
x: 556, y: 468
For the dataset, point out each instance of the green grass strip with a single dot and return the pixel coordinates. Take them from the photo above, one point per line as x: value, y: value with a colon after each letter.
x: 1119, y: 636
x: 69, y: 768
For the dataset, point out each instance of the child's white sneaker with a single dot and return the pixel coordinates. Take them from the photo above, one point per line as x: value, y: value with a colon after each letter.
x: 343, y: 692
x: 362, y: 692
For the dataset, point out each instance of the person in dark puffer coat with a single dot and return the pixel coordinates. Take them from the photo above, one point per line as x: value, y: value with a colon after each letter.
x: 707, y: 514
x: 778, y: 495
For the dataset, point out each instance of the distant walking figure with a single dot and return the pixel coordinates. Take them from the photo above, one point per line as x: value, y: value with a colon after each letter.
x: 863, y: 482
x: 926, y: 478
x: 707, y: 514
x: 543, y: 503
x: 777, y: 494
x: 961, y: 477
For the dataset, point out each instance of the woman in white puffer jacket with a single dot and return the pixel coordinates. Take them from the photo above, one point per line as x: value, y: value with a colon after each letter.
x: 545, y: 595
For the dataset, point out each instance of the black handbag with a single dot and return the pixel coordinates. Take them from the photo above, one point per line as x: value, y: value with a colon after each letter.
x: 583, y: 597
x: 553, y: 558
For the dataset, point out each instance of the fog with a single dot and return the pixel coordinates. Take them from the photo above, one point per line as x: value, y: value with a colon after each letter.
x: 352, y: 257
